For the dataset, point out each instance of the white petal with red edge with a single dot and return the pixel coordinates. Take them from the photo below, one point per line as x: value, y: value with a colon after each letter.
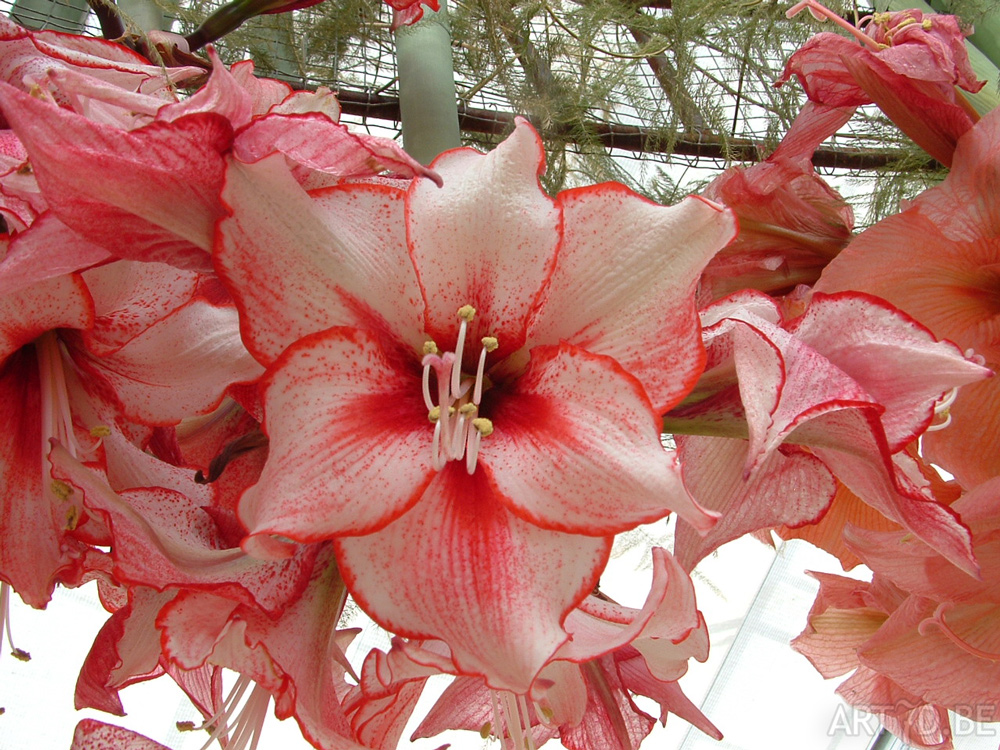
x: 576, y: 447
x: 488, y: 238
x: 461, y: 568
x: 180, y: 366
x: 350, y: 443
x: 297, y: 264
x: 624, y: 283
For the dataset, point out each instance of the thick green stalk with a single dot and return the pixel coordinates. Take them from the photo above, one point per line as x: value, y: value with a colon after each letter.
x: 427, y: 101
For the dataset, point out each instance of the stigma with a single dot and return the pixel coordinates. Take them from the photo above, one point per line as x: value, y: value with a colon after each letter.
x: 458, y: 428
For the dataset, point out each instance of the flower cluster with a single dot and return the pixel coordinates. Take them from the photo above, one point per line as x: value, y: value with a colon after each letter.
x: 261, y: 364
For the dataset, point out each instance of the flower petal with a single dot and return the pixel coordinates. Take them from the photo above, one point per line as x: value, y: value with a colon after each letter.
x: 350, y: 444
x: 624, y: 284
x: 461, y: 568
x: 488, y: 238
x: 296, y: 265
x: 576, y: 448
x: 789, y: 487
x: 125, y: 211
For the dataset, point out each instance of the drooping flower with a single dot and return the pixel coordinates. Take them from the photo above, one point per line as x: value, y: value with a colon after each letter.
x: 908, y: 64
x: 365, y: 299
x: 923, y: 635
x: 146, y: 147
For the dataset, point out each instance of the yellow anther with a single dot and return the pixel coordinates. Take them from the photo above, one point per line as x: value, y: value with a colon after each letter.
x: 467, y: 409
x: 430, y: 347
x: 485, y: 730
x: 927, y: 24
x: 60, y: 489
x: 72, y: 517
x: 483, y: 426
x: 466, y: 313
x: 100, y: 431
x: 186, y: 726
x: 490, y: 343
x: 451, y: 411
x: 434, y: 414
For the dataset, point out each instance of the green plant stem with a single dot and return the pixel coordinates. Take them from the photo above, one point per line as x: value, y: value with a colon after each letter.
x: 428, y: 103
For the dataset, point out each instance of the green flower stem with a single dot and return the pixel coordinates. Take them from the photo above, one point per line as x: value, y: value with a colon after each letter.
x: 427, y: 101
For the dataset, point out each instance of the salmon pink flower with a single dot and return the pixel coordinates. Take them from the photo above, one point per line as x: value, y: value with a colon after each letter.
x: 938, y: 260
x: 465, y: 384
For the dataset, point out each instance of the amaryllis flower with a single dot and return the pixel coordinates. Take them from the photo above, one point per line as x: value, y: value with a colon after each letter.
x: 853, y: 379
x: 938, y: 261
x: 465, y: 385
x: 909, y: 65
x: 146, y: 148
x: 922, y: 635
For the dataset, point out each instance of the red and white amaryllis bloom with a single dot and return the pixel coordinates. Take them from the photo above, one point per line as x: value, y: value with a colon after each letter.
x: 465, y: 385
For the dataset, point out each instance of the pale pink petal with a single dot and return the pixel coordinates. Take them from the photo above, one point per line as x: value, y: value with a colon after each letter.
x: 636, y: 677
x: 222, y: 95
x: 315, y: 141
x: 901, y: 712
x: 494, y: 588
x: 624, y: 283
x: 125, y: 211
x: 870, y: 334
x: 264, y: 92
x: 180, y: 366
x: 130, y: 296
x: 840, y: 622
x: 350, y: 443
x: 92, y: 734
x: 46, y: 249
x: 612, y: 721
x: 851, y: 444
x: 576, y: 448
x: 296, y: 265
x: 790, y: 487
x: 26, y: 56
x: 126, y: 651
x: 488, y: 238
x: 59, y: 302
x: 918, y: 656
x: 598, y: 626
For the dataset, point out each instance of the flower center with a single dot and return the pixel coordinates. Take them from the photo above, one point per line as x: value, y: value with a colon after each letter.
x: 458, y: 430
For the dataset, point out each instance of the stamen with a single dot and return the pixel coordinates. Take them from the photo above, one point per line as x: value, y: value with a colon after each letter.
x: 425, y: 384
x: 523, y: 706
x: 513, y: 716
x: 489, y: 344
x: 436, y: 460
x: 482, y: 427
x: 821, y: 12
x: 249, y: 722
x: 497, y: 725
x: 465, y: 313
x: 943, y: 409
x: 17, y: 653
